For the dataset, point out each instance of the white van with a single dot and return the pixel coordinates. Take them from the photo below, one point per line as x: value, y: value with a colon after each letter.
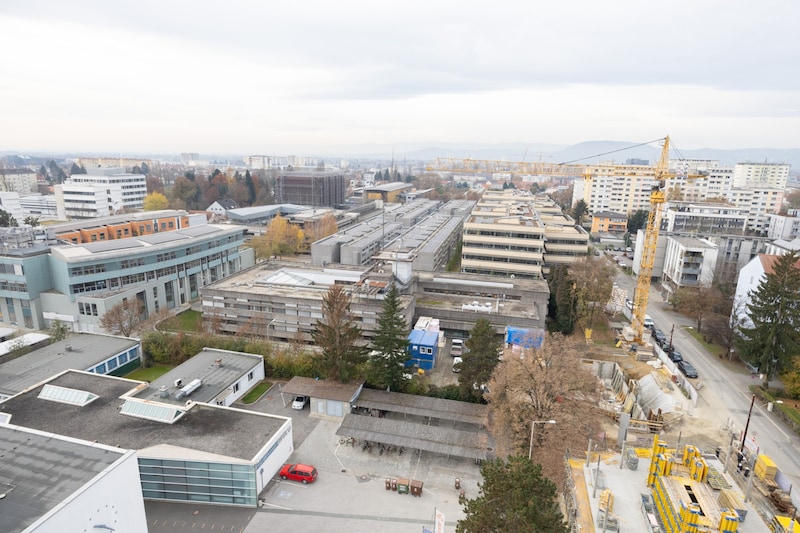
x: 648, y: 322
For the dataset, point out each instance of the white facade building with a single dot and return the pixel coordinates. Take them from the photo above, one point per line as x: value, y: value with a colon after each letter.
x: 19, y: 180
x: 61, y: 484
x: 100, y: 192
x: 688, y: 262
x: 774, y: 175
x: 784, y: 226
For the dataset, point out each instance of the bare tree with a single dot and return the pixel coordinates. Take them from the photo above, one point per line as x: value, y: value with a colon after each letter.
x: 542, y: 384
x: 123, y: 318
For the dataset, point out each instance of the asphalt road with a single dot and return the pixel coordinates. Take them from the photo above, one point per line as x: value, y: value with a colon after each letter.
x: 725, y: 394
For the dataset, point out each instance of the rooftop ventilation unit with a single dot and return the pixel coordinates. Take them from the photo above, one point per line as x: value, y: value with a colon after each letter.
x: 178, y: 383
x: 163, y: 392
x: 188, y: 389
x: 68, y: 347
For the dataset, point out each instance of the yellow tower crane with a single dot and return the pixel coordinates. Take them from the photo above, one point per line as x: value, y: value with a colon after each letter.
x: 657, y: 199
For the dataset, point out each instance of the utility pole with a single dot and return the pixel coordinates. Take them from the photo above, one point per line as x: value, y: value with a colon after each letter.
x: 747, y: 425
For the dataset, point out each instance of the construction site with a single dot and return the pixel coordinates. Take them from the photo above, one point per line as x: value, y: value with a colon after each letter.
x: 654, y: 487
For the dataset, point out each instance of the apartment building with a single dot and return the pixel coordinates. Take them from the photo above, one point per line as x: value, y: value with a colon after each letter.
x: 784, y: 226
x: 609, y: 222
x: 704, y: 218
x: 771, y: 175
x: 759, y: 203
x: 18, y: 180
x: 688, y: 262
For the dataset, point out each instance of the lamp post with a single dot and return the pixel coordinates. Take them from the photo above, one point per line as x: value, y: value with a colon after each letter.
x: 533, y: 425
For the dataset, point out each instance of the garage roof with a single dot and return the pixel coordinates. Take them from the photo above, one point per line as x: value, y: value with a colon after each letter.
x: 423, y: 406
x: 445, y: 441
x: 323, y: 388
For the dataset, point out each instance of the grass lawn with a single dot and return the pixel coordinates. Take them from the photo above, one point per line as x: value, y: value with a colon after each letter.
x: 713, y: 348
x: 257, y: 391
x: 150, y: 373
x: 187, y: 321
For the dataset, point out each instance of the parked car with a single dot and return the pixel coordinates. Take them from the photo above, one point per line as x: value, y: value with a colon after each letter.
x: 675, y: 356
x: 688, y: 370
x: 648, y: 323
x: 299, y: 402
x: 299, y: 472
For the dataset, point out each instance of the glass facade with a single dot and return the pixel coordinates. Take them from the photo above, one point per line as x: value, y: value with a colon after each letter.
x: 222, y: 483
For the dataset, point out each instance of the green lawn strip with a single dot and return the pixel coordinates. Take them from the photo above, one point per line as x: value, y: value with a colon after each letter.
x: 710, y: 346
x: 256, y: 392
x: 187, y: 321
x: 150, y: 373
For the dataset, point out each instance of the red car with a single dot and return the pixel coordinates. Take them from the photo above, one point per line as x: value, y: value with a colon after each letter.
x: 299, y: 472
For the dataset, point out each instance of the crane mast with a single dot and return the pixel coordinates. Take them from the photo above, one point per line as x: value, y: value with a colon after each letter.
x: 657, y: 199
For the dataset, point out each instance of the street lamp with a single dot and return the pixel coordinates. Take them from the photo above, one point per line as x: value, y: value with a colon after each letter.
x: 533, y: 425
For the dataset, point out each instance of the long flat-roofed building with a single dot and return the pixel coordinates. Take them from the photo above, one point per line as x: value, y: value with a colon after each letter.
x: 101, y: 354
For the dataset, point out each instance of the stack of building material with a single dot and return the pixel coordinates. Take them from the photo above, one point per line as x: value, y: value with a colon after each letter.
x: 716, y: 480
x: 730, y: 499
x: 606, y: 500
x: 765, y: 469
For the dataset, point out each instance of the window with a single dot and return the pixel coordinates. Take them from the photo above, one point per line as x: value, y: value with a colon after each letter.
x: 112, y: 364
x: 100, y: 369
x: 250, y: 376
x: 235, y: 387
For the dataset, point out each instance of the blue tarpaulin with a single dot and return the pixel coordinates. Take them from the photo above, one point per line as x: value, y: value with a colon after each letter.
x: 524, y: 337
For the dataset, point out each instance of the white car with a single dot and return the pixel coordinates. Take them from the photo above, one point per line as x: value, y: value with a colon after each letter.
x: 299, y: 402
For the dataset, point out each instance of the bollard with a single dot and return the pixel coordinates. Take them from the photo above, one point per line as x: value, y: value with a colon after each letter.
x: 462, y: 494
x: 458, y: 483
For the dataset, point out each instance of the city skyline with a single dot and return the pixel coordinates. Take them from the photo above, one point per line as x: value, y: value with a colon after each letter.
x: 326, y: 78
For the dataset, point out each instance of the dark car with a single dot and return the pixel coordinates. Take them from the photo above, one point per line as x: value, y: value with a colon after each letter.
x: 675, y: 356
x: 688, y: 370
x: 299, y: 472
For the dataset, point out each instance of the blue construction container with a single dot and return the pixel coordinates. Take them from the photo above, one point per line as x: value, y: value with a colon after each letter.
x: 423, y: 347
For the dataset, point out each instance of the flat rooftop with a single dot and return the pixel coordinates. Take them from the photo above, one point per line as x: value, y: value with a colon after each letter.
x: 29, y: 488
x: 209, y: 431
x: 217, y: 369
x: 78, y: 352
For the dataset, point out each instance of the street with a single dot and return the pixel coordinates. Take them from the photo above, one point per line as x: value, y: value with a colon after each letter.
x: 725, y: 395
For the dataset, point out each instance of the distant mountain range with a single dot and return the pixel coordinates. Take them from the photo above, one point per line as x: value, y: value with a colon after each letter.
x: 585, y: 152
x: 597, y: 151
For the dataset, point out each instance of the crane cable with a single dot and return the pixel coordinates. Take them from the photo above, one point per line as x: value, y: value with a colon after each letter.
x: 613, y: 151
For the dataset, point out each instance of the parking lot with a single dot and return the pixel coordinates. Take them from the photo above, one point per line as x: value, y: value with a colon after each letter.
x: 350, y: 493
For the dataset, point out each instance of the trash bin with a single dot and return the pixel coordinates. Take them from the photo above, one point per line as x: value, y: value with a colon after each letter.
x: 769, y: 406
x: 458, y: 483
x: 416, y: 487
x: 388, y: 484
x: 402, y: 485
x: 394, y: 484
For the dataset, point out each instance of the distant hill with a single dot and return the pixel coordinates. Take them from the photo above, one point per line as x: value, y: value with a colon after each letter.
x: 597, y: 151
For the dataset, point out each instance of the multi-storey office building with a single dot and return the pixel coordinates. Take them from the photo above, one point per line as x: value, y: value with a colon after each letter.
x: 316, y: 188
x: 100, y: 192
x: 77, y: 283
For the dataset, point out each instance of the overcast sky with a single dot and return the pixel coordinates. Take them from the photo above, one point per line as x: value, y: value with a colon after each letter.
x: 314, y: 77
